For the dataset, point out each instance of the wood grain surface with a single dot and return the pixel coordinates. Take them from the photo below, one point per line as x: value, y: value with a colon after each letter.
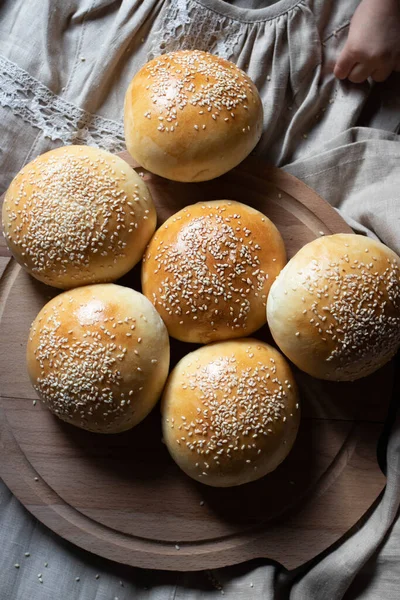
x: 122, y: 497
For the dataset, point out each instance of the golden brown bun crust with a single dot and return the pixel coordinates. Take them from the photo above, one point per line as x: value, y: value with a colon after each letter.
x: 78, y: 215
x: 209, y: 268
x: 98, y: 357
x: 191, y: 116
x: 335, y: 308
x: 230, y: 412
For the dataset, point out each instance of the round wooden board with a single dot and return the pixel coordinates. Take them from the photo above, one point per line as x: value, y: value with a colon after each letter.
x: 122, y: 497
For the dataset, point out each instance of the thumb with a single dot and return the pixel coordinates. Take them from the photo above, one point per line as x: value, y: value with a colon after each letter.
x: 344, y: 63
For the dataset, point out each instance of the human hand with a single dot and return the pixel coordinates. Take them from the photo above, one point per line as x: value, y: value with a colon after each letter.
x: 372, y: 48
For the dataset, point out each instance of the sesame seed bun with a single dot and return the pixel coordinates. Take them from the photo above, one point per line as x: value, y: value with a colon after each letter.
x: 191, y: 116
x: 335, y: 308
x: 230, y: 412
x: 78, y: 215
x: 98, y: 357
x: 208, y: 270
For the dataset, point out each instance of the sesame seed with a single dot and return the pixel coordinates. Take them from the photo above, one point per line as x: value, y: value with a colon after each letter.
x: 64, y: 218
x: 226, y: 86
x: 239, y: 403
x: 224, y: 274
x: 350, y: 303
x: 90, y: 384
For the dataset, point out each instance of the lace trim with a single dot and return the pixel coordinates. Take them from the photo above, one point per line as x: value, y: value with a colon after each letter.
x: 57, y: 118
x: 186, y: 26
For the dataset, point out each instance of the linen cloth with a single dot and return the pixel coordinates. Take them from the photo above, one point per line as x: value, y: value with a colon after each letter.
x: 64, y: 68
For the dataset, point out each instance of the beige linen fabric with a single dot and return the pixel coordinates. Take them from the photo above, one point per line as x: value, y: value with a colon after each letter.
x: 64, y: 68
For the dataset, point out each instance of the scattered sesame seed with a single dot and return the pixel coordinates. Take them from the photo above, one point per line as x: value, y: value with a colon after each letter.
x: 76, y: 388
x: 238, y: 405
x: 224, y: 274
x: 64, y: 218
x: 356, y: 308
x: 223, y: 90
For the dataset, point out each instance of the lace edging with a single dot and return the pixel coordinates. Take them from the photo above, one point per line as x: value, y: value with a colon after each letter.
x: 57, y: 118
x: 185, y: 26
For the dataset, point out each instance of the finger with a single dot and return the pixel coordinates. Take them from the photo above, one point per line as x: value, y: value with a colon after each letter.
x: 359, y: 73
x: 381, y: 74
x: 344, y: 64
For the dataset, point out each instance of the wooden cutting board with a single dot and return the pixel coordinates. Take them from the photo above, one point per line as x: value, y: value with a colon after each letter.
x: 122, y: 497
